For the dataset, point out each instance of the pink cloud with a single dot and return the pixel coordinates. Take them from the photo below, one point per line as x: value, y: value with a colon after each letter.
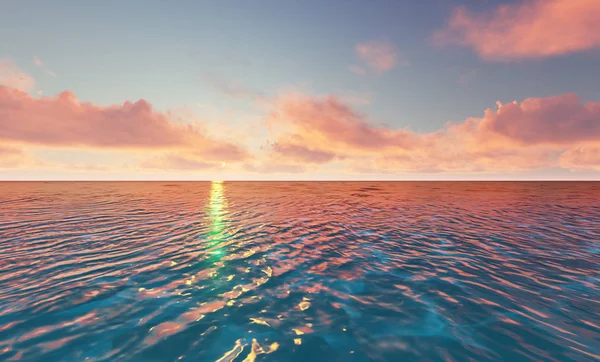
x: 9, y: 151
x: 13, y: 77
x: 178, y: 162
x: 379, y: 55
x: 293, y: 149
x: 212, y: 154
x: 517, y: 136
x: 581, y: 157
x: 329, y: 121
x: 561, y: 119
x: 527, y: 29
x: 12, y: 157
x: 66, y: 122
x: 309, y: 133
x: 222, y: 151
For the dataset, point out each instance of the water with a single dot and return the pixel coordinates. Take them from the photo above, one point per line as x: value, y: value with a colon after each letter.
x: 299, y: 271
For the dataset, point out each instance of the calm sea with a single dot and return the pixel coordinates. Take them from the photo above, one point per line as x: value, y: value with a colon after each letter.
x: 300, y: 271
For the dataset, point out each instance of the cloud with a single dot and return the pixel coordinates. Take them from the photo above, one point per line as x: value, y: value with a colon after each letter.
x: 307, y: 134
x: 222, y: 151
x: 293, y: 149
x: 178, y: 162
x: 561, y: 119
x: 9, y: 151
x: 525, y: 30
x: 516, y: 136
x: 13, y: 77
x: 330, y: 121
x: 581, y: 157
x: 380, y: 55
x: 13, y: 157
x: 63, y: 121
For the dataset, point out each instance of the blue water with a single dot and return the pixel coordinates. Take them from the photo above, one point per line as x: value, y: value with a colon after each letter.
x: 280, y: 271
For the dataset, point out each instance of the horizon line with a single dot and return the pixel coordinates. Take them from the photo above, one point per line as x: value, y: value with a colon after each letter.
x: 301, y: 180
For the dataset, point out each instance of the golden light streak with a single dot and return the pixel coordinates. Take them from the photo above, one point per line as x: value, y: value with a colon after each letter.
x: 217, y: 212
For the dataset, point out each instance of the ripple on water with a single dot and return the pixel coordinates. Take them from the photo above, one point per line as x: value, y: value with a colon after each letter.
x: 296, y: 271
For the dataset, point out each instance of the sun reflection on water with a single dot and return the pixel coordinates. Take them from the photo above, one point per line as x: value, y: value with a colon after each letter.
x: 217, y: 212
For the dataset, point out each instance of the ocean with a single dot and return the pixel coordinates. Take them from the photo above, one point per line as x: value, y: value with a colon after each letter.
x: 299, y: 271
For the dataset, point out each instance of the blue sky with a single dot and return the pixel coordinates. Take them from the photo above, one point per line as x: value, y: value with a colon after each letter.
x: 180, y: 54
x: 112, y: 51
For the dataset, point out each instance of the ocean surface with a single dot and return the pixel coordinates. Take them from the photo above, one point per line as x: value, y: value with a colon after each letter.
x: 299, y: 271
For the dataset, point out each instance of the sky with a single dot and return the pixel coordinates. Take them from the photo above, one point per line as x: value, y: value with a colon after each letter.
x: 307, y: 90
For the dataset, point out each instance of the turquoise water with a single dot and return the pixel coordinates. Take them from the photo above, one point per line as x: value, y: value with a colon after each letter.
x: 323, y: 271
